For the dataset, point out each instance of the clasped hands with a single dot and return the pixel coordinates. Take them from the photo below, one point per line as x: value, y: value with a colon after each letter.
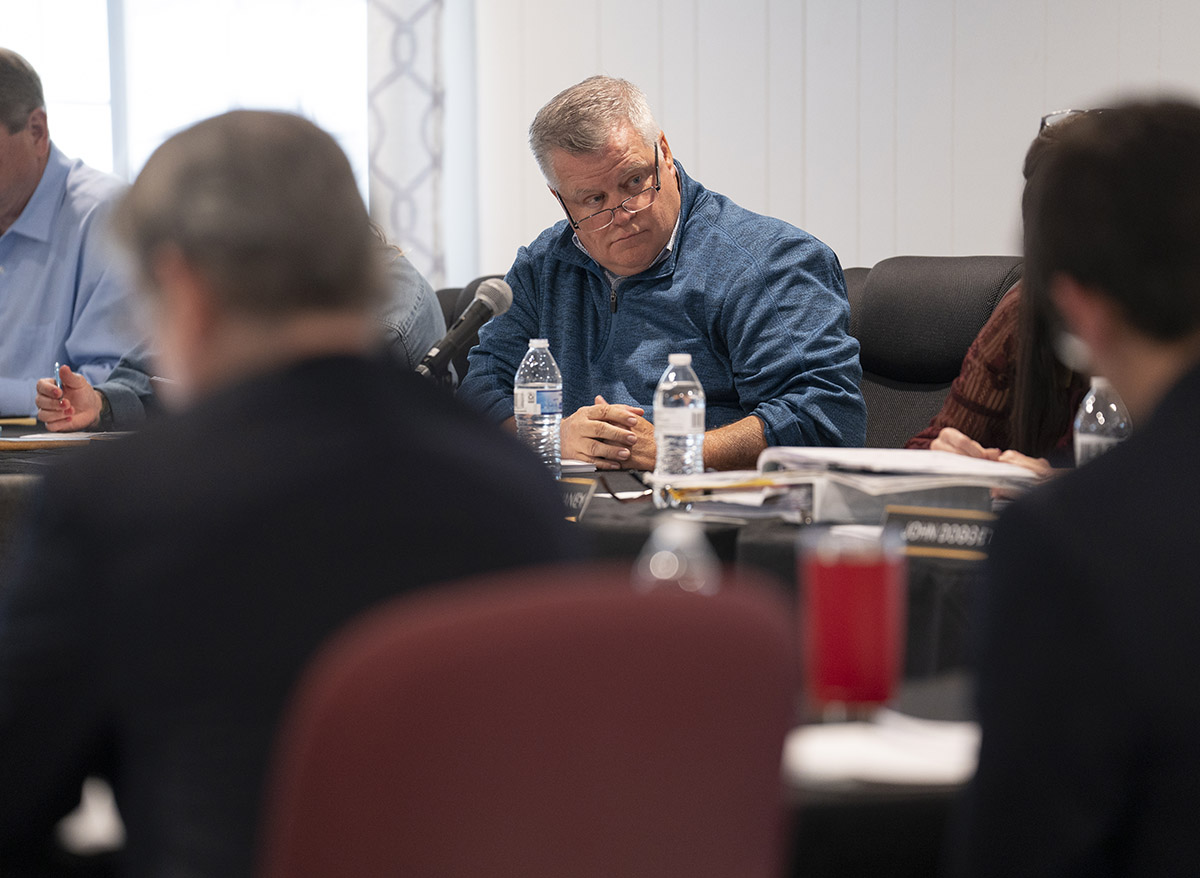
x: 609, y: 435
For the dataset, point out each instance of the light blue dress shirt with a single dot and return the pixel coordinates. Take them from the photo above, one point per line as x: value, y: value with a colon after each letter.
x: 64, y: 296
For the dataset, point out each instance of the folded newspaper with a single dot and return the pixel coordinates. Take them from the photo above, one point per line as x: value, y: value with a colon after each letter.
x: 848, y: 484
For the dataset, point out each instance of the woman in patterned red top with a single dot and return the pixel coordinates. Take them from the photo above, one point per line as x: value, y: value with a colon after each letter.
x: 1013, y: 401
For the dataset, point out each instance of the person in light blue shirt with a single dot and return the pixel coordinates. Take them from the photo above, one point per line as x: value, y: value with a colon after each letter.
x: 63, y: 296
x: 410, y: 321
x: 649, y: 262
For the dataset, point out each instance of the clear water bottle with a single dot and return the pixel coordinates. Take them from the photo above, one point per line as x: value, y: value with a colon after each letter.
x: 677, y: 555
x: 537, y: 404
x: 678, y: 423
x: 1101, y: 422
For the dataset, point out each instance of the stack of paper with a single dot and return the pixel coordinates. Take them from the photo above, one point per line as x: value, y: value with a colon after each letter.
x: 886, y: 470
x: 848, y: 484
x: 741, y: 493
x: 891, y: 749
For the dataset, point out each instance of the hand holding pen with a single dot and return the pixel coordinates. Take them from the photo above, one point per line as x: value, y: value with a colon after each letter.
x: 67, y: 402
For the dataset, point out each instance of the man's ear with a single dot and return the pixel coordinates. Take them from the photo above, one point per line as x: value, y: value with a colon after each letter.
x: 1088, y: 314
x: 664, y: 150
x: 39, y: 128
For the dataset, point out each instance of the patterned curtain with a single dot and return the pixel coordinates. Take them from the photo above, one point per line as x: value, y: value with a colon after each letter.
x: 406, y: 95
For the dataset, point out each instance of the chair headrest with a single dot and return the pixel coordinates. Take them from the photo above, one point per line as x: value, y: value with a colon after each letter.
x: 919, y: 314
x: 856, y: 279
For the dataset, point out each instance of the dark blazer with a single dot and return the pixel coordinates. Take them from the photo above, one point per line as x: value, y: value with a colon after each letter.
x: 180, y: 578
x: 1088, y: 667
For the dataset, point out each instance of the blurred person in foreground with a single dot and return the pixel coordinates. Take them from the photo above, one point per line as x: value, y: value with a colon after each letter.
x: 410, y: 318
x: 649, y: 262
x: 1088, y: 655
x: 1014, y: 401
x: 63, y: 297
x: 177, y: 580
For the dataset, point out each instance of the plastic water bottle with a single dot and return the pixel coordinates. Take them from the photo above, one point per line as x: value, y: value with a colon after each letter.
x: 678, y: 423
x: 1101, y: 422
x: 537, y: 404
x: 677, y: 555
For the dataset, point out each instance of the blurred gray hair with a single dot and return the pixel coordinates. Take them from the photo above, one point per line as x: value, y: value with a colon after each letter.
x: 581, y: 119
x: 20, y: 91
x: 265, y: 207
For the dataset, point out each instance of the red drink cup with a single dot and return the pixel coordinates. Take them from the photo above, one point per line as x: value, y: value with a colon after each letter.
x: 852, y: 610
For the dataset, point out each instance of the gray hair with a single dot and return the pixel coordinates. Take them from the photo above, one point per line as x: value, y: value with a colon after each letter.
x: 581, y: 119
x: 20, y: 91
x: 265, y: 207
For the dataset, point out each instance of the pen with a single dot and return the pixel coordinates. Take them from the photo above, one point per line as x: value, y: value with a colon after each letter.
x: 57, y: 377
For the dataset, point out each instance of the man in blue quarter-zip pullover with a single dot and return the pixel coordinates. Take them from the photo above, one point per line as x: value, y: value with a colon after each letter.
x: 649, y: 262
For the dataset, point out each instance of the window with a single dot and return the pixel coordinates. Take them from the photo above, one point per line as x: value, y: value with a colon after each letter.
x: 67, y: 43
x: 185, y: 60
x: 174, y: 62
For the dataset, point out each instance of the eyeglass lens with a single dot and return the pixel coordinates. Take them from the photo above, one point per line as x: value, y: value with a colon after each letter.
x: 604, y: 218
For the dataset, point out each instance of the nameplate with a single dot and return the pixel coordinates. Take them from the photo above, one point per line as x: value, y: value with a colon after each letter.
x: 930, y: 532
x: 576, y: 494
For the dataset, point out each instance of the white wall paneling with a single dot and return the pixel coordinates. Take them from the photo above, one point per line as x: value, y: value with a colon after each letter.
x: 677, y: 109
x: 1139, y: 44
x: 731, y: 99
x: 832, y: 87
x: 876, y: 156
x: 924, y: 130
x: 786, y: 156
x: 1079, y: 38
x: 990, y: 135
x: 1179, y: 66
x: 884, y: 127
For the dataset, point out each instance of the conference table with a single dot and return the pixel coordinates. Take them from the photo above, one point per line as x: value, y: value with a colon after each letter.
x: 940, y: 589
x: 20, y: 466
x: 844, y: 828
x: 851, y: 827
x: 939, y: 593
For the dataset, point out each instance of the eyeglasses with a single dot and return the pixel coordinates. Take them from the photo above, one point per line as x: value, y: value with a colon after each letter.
x: 602, y: 219
x: 1062, y: 115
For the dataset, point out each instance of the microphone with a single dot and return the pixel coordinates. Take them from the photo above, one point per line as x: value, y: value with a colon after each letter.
x: 492, y: 297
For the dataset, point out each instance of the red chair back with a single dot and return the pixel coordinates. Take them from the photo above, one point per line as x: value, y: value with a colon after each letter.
x: 545, y: 722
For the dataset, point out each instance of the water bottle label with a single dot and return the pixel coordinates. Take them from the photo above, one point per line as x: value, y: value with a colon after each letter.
x: 531, y: 401
x: 1088, y: 447
x: 678, y: 421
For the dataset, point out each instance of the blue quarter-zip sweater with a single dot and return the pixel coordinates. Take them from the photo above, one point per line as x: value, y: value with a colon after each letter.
x: 759, y: 304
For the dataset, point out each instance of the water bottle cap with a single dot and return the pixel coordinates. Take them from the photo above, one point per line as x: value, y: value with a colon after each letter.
x: 539, y: 343
x: 679, y: 359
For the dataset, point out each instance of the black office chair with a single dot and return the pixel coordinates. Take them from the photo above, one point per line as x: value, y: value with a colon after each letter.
x: 914, y: 318
x: 454, y: 300
x: 856, y: 279
x: 448, y: 298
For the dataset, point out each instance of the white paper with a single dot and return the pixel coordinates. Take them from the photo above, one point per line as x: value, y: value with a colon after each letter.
x: 891, y: 749
x: 912, y: 461
x: 51, y: 437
